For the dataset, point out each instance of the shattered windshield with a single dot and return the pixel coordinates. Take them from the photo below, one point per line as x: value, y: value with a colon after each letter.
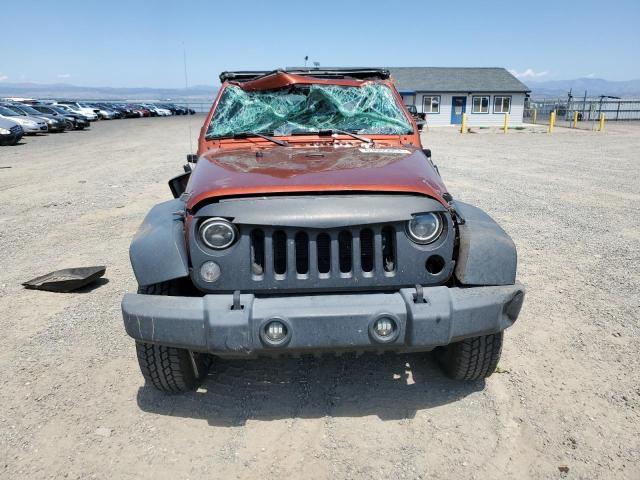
x: 368, y: 109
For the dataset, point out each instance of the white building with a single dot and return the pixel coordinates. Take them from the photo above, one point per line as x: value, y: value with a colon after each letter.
x: 444, y: 94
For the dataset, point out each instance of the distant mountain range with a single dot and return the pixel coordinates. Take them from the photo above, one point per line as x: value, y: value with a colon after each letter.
x: 204, y: 93
x: 593, y: 86
x: 197, y: 93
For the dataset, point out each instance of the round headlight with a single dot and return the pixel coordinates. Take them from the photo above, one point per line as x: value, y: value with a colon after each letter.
x: 424, y: 228
x: 217, y: 233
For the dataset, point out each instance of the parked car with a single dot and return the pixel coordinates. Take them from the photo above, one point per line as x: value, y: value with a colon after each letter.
x: 128, y: 112
x: 159, y: 111
x: 54, y: 124
x: 10, y: 132
x: 30, y: 125
x: 104, y: 112
x: 121, y: 110
x: 171, y: 108
x: 141, y: 111
x: 74, y: 121
x: 90, y: 116
x: 175, y: 109
x: 301, y: 232
x: 88, y: 112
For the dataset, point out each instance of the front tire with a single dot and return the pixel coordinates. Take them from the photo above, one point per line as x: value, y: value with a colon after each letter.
x: 172, y: 370
x: 472, y: 358
x: 169, y: 369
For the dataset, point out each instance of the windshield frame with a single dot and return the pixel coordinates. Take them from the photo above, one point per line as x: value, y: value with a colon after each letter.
x: 402, y: 115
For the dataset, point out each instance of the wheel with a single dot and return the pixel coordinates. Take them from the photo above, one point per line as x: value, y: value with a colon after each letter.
x: 170, y: 369
x: 473, y: 358
x: 70, y: 125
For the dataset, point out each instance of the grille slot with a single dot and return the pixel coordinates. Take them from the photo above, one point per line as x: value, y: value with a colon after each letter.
x: 257, y: 252
x: 366, y: 250
x: 280, y: 252
x: 388, y: 249
x: 324, y: 253
x: 302, y: 253
x: 345, y: 251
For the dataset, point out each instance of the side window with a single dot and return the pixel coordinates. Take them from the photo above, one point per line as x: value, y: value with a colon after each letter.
x: 501, y: 104
x: 431, y: 104
x: 480, y: 104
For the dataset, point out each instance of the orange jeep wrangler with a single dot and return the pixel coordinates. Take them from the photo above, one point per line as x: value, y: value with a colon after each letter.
x: 313, y: 221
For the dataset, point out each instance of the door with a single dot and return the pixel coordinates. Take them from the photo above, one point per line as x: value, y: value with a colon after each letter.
x: 458, y: 107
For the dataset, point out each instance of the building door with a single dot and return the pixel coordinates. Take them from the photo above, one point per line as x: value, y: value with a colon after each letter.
x: 458, y: 107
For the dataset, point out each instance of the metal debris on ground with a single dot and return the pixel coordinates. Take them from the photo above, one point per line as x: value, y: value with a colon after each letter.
x: 66, y: 280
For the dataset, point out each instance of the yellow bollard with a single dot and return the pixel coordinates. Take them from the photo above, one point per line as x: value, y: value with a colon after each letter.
x: 506, y: 123
x: 552, y: 121
x: 535, y: 116
x: 601, y: 127
x: 575, y: 119
x: 463, y: 127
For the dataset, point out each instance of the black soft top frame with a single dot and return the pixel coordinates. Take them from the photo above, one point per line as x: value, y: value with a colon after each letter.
x: 336, y: 73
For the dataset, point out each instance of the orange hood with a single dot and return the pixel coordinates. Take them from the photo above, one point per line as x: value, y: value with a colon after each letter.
x: 346, y: 167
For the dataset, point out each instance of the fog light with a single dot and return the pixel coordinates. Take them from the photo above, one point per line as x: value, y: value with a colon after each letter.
x: 275, y: 331
x: 210, y: 272
x: 384, y: 327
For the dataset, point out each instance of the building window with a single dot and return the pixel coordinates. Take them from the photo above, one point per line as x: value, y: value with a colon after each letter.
x: 431, y: 104
x: 480, y: 105
x: 408, y: 98
x: 501, y: 104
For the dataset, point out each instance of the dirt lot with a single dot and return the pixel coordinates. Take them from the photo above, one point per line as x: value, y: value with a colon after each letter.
x: 73, y: 404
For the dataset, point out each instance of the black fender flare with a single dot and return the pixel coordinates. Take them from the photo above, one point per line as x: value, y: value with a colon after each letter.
x: 486, y: 253
x: 158, y: 252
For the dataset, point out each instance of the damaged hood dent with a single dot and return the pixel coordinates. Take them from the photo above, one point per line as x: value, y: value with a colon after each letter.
x: 328, y: 169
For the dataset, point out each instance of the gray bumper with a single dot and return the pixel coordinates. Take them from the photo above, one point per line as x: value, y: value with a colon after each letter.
x: 318, y: 323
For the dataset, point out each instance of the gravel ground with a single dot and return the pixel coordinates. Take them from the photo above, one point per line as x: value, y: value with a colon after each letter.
x: 565, y: 405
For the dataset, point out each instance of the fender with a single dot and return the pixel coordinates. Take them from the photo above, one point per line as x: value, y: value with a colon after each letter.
x: 486, y: 253
x: 158, y: 252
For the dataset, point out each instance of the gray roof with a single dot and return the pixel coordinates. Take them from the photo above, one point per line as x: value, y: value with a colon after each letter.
x: 444, y: 79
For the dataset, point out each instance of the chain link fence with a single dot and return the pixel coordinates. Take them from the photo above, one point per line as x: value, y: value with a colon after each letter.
x: 582, y: 113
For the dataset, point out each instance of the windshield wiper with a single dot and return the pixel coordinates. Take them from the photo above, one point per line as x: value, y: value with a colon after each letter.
x: 282, y: 143
x: 348, y: 133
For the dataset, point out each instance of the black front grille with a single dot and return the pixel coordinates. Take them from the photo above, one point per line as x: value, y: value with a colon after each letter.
x: 290, y: 245
x: 322, y: 254
x: 16, y: 129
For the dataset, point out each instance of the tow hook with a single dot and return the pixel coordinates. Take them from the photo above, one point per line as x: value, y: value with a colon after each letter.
x: 236, y: 301
x: 418, y: 297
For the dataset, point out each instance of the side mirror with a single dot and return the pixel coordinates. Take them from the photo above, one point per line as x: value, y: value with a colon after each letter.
x: 178, y: 184
x: 427, y: 152
x: 192, y: 157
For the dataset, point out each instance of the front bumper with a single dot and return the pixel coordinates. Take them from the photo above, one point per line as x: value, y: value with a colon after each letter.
x: 58, y: 127
x: 321, y: 323
x: 35, y: 129
x: 10, y: 139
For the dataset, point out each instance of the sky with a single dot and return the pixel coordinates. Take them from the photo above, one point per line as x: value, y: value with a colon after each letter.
x: 139, y: 43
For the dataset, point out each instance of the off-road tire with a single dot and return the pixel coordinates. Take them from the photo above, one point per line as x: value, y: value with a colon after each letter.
x: 473, y: 358
x: 170, y: 369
